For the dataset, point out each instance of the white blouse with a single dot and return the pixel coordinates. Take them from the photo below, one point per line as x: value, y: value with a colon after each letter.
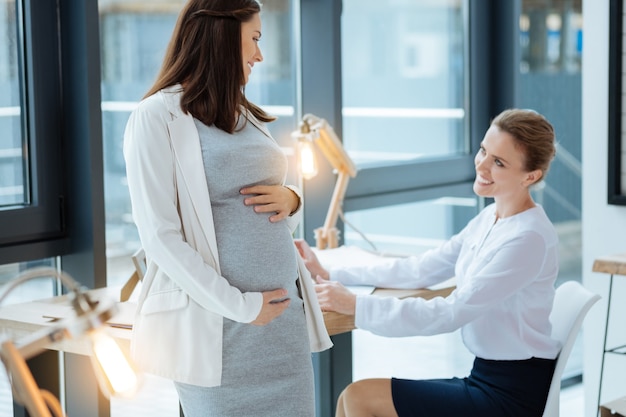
x: 505, y: 272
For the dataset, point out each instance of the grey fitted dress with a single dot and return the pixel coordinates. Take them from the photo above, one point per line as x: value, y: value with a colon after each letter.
x: 267, y: 370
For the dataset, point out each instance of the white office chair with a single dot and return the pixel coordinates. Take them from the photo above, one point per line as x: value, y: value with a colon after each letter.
x: 571, y: 304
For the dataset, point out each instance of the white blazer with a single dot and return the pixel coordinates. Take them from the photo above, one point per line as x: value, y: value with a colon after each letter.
x: 177, y: 332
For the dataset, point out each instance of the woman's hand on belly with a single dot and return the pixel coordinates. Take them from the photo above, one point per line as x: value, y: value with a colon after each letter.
x: 274, y: 304
x: 271, y: 199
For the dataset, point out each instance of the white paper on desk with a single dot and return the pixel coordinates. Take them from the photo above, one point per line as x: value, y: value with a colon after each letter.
x: 361, y: 289
x: 350, y: 256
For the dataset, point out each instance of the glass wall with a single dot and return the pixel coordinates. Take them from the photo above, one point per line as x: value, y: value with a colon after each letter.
x: 404, y: 77
x: 404, y: 90
x: 30, y: 188
x: 134, y: 35
x: 16, y: 185
x: 12, y: 161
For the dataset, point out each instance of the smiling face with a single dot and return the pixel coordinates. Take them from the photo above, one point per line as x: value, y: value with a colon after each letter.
x: 500, y: 169
x: 250, y: 36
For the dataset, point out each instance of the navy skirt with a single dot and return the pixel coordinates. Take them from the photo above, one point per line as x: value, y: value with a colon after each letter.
x: 494, y: 388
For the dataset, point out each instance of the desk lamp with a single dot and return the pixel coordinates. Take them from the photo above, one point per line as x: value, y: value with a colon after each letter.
x: 114, y: 373
x: 315, y: 130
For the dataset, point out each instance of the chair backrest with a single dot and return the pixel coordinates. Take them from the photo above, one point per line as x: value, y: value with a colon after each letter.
x: 572, y: 301
x: 139, y: 260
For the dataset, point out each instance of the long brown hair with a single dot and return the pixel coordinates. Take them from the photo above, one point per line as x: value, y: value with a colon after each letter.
x: 204, y: 53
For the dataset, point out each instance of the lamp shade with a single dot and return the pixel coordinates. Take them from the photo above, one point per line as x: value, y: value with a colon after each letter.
x: 315, y: 130
x: 307, y: 163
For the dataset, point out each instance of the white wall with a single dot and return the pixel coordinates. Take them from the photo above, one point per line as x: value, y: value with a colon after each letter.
x: 603, y: 225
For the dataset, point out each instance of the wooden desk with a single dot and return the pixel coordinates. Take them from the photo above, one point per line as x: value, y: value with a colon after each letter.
x: 612, y: 265
x: 20, y: 320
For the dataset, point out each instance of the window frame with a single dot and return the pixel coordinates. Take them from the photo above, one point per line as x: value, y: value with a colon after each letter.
x: 63, y: 109
x: 616, y: 138
x: 37, y: 229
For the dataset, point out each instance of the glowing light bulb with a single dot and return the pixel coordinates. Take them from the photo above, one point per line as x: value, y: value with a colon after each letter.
x: 307, y: 162
x: 111, y: 364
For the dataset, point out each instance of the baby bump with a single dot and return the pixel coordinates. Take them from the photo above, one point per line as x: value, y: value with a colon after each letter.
x: 255, y: 254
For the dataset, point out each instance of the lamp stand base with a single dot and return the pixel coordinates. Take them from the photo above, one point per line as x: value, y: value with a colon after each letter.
x: 328, y: 240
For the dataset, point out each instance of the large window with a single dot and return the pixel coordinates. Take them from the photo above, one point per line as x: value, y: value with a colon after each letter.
x: 31, y: 201
x: 32, y: 225
x: 33, y: 196
x: 403, y: 79
x: 134, y: 35
x: 12, y: 167
x: 405, y: 89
